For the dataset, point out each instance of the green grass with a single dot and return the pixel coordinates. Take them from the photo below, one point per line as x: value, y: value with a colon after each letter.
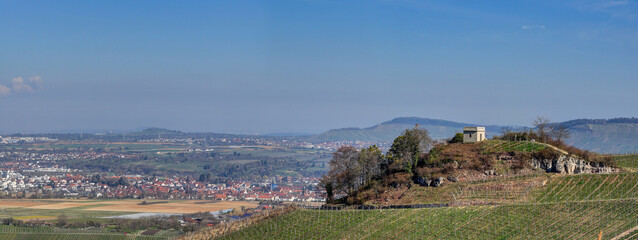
x: 77, y: 214
x: 510, y: 146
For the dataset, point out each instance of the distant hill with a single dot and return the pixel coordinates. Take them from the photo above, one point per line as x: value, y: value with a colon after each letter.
x: 387, y: 131
x: 617, y: 135
x: 155, y: 132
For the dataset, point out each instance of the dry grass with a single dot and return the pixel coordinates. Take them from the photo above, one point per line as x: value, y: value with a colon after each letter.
x: 18, y: 203
x: 189, y: 206
x: 27, y: 218
x: 61, y: 205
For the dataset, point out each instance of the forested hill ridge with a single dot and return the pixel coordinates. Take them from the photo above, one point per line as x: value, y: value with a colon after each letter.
x: 387, y: 131
x: 616, y: 135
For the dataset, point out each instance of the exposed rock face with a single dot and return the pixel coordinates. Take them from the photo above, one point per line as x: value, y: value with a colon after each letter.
x: 437, y: 182
x: 490, y: 172
x: 570, y: 165
x: 423, y: 181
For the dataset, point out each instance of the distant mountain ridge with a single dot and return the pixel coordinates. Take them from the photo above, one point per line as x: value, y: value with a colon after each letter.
x: 615, y: 135
x: 387, y: 131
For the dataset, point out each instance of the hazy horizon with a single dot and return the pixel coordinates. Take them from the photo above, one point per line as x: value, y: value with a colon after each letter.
x: 311, y: 66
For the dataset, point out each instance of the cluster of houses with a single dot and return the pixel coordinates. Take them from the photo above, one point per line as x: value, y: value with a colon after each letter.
x: 14, y: 140
x: 14, y: 183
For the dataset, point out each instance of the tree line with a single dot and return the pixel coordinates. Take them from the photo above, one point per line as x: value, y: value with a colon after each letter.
x: 352, y: 169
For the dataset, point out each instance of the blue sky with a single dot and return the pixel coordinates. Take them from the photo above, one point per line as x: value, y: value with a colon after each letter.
x: 309, y: 66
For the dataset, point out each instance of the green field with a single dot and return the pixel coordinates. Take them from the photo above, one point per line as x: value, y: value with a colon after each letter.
x: 73, y: 214
x: 117, y: 146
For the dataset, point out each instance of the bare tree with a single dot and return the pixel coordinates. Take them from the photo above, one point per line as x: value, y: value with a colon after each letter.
x: 543, y: 127
x: 560, y: 133
x: 344, y: 171
x: 370, y: 160
x: 505, y: 131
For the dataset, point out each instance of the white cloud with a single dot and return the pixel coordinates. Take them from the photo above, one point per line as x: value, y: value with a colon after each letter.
x: 4, y: 90
x: 528, y: 27
x: 18, y: 85
x: 36, y: 82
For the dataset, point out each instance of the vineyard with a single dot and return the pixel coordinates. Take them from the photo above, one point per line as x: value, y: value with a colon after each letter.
x: 537, y: 206
x: 534, y: 205
x: 51, y: 233
x: 576, y: 220
x: 627, y: 161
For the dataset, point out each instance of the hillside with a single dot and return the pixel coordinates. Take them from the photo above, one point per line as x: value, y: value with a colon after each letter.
x: 618, y: 135
x: 387, y: 131
x: 532, y: 206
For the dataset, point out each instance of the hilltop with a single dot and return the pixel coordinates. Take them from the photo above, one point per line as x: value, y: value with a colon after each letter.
x: 449, y: 166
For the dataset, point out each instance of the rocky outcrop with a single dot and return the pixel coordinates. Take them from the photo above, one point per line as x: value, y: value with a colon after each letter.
x: 490, y: 172
x: 570, y: 165
x: 452, y: 179
x: 437, y: 182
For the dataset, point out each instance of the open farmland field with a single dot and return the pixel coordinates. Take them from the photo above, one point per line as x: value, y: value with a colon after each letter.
x: 278, y: 152
x: 128, y: 206
x: 113, y: 146
x: 101, y: 211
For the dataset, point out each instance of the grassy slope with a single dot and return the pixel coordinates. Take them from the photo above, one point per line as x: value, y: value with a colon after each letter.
x: 566, y: 207
x: 630, y: 162
x: 583, y: 220
x: 509, y: 146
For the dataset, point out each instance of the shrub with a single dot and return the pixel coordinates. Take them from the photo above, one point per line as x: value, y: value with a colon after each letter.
x: 458, y: 138
x: 546, y: 153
